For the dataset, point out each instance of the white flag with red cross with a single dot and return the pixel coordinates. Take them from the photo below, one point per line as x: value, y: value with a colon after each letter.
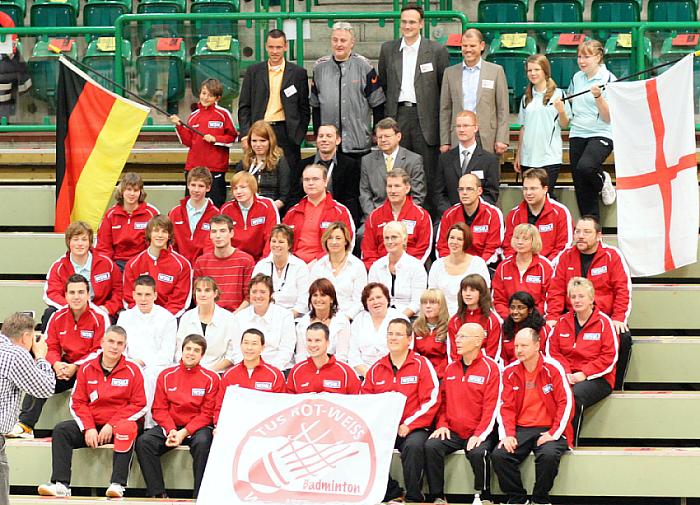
x: 656, y: 170
x: 309, y: 448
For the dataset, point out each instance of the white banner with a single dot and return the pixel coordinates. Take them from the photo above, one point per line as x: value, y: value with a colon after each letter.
x: 656, y: 170
x: 309, y: 448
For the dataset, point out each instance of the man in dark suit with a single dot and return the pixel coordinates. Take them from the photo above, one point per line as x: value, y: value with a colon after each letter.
x: 278, y: 92
x: 343, y: 170
x: 410, y: 71
x: 467, y: 158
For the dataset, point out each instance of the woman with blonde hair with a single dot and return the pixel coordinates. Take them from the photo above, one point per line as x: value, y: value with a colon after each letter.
x: 430, y: 329
x: 265, y: 160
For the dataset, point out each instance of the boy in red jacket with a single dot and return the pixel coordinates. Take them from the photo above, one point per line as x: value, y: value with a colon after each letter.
x: 183, y: 408
x: 212, y: 149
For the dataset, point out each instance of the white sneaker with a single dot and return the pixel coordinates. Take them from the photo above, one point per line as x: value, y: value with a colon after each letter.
x: 20, y: 430
x: 58, y: 489
x: 608, y: 193
x: 440, y: 501
x: 477, y: 500
x: 115, y: 490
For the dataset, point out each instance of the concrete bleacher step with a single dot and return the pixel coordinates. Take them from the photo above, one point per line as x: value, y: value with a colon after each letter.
x: 664, y: 360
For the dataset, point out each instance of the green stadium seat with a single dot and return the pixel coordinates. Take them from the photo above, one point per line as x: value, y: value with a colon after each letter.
x: 672, y: 48
x: 513, y: 60
x: 161, y: 73
x: 603, y: 11
x: 203, y: 29
x: 620, y: 60
x: 99, y: 55
x: 16, y: 9
x: 501, y: 11
x: 678, y: 11
x: 454, y: 48
x: 218, y: 58
x: 43, y: 67
x: 154, y: 29
x: 54, y: 13
x: 557, y: 11
x: 104, y: 12
x: 562, y: 59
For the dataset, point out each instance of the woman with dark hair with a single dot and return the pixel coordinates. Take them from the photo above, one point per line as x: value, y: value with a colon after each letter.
x: 430, y: 329
x: 475, y: 306
x: 323, y: 308
x: 522, y: 313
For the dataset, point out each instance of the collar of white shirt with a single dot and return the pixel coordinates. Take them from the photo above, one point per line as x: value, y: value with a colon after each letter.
x: 475, y: 67
x: 469, y: 149
x: 415, y: 45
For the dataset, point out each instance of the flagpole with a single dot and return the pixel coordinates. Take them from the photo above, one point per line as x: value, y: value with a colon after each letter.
x: 627, y: 77
x: 128, y: 92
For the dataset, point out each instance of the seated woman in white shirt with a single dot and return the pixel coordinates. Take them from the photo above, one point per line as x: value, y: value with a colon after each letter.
x: 447, y: 272
x: 368, y: 329
x: 323, y: 308
x: 347, y: 272
x: 275, y: 322
x: 404, y: 275
x: 214, y: 323
x: 290, y: 275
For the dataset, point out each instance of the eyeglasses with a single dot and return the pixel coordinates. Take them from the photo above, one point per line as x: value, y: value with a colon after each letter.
x: 466, y: 190
x: 312, y: 179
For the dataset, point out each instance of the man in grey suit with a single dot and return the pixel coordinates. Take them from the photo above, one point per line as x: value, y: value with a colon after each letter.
x: 487, y: 96
x: 410, y: 71
x: 377, y: 164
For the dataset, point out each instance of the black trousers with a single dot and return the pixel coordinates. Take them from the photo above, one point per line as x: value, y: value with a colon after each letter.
x: 151, y: 446
x: 412, y: 138
x: 623, y: 359
x: 292, y: 153
x: 66, y: 437
x: 587, y: 393
x: 32, y: 407
x: 547, y: 457
x: 413, y: 463
x: 552, y: 174
x: 587, y: 156
x: 218, y: 191
x: 478, y: 457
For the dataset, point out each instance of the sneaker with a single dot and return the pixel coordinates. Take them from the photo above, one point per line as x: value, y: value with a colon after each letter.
x: 440, y: 501
x: 397, y: 501
x: 58, y: 489
x: 477, y: 500
x: 115, y: 490
x: 608, y: 192
x: 20, y: 430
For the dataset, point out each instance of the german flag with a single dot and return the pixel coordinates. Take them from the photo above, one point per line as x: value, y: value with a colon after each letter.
x: 95, y: 131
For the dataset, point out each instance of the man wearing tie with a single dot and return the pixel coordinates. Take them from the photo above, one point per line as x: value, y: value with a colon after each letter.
x: 410, y: 72
x: 467, y: 158
x: 478, y: 86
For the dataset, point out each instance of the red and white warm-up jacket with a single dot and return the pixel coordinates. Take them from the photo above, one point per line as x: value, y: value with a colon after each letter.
x: 105, y: 282
x: 185, y: 397
x: 508, y: 344
x: 508, y: 280
x: 608, y: 273
x: 487, y: 231
x: 470, y: 398
x: 418, y: 225
x: 416, y: 380
x: 74, y: 341
x: 213, y: 120
x: 594, y: 351
x: 491, y: 324
x: 98, y: 400
x: 122, y: 236
x: 173, y: 275
x: 252, y: 235
x: 554, y: 224
x: 332, y: 212
x: 191, y: 244
x: 554, y: 391
x: 427, y: 345
x: 333, y: 377
x: 265, y: 377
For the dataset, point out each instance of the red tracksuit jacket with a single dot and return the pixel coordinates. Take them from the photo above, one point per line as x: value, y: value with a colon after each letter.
x: 554, y: 391
x: 507, y: 280
x: 215, y: 121
x: 332, y: 212
x: 416, y: 380
x: 491, y: 324
x: 173, y: 275
x: 192, y: 245
x: 253, y: 235
x: 122, y: 236
x: 554, y: 224
x: 418, y: 224
x: 71, y: 341
x: 105, y: 282
x: 594, y: 351
x: 185, y: 397
x: 487, y: 231
x: 608, y: 273
x: 436, y: 352
x: 98, y: 400
x: 333, y: 377
x: 470, y: 399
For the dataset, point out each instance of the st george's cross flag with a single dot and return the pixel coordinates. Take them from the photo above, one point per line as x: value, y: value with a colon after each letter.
x: 95, y: 131
x: 656, y: 170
